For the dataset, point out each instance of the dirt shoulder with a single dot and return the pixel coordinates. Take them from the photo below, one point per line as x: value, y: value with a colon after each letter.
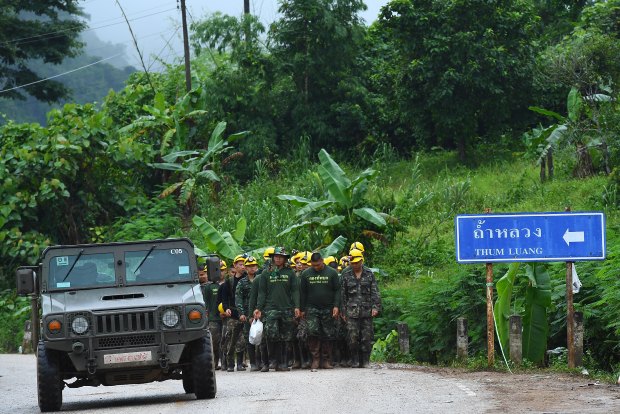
x: 544, y: 392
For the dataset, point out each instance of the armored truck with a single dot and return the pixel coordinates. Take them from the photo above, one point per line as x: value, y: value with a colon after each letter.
x: 119, y: 313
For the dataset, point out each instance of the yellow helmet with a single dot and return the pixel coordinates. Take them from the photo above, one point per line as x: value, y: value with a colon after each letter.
x: 329, y: 259
x: 357, y: 245
x: 344, y: 261
x: 305, y: 257
x: 220, y: 307
x: 268, y: 252
x: 250, y: 261
x: 296, y: 257
x: 223, y: 265
x: 239, y: 258
x: 356, y: 255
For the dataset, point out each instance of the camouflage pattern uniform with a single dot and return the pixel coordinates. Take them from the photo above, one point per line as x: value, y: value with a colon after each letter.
x: 209, y: 291
x: 359, y: 298
x: 242, y: 300
x: 263, y: 354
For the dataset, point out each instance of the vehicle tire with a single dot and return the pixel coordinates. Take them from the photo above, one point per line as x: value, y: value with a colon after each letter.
x: 49, y: 380
x: 188, y: 379
x: 203, y: 369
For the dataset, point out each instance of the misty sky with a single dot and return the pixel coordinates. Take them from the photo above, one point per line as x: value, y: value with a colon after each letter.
x: 154, y: 22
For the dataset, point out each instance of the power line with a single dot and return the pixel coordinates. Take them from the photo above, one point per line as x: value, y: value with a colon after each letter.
x: 164, y: 48
x: 60, y: 74
x: 58, y: 33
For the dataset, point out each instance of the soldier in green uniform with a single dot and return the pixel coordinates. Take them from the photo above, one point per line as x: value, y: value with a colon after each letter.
x: 242, y: 299
x: 262, y: 354
x: 209, y: 292
x: 361, y: 302
x: 320, y: 302
x: 278, y: 299
x: 234, y: 326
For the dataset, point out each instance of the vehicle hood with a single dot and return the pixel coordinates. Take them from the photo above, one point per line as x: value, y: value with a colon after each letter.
x: 99, y: 299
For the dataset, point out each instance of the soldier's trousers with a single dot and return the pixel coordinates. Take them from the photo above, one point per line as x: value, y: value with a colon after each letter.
x: 232, y: 336
x: 215, y: 328
x: 321, y: 324
x: 278, y: 325
x: 360, y: 334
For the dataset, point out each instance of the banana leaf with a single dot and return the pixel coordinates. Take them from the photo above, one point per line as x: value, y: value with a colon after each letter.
x: 294, y: 200
x: 332, y: 221
x: 215, y: 241
x: 334, y: 247
x: 535, y: 324
x: 187, y: 189
x: 335, y: 180
x: 293, y: 227
x: 312, y: 207
x: 239, y: 233
x: 370, y: 215
x: 502, y: 304
x: 216, y: 135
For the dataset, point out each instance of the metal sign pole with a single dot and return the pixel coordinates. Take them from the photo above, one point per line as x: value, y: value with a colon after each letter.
x: 490, y: 322
x: 570, y: 317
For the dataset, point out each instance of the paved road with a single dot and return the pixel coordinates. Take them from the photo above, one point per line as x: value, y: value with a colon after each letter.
x: 374, y: 390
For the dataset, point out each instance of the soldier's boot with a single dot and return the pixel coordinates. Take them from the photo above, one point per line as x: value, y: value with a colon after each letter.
x: 326, y: 349
x: 355, y: 357
x: 271, y: 346
x: 296, y: 356
x: 258, y: 357
x: 314, y: 346
x: 240, y: 358
x: 281, y: 359
x: 366, y: 359
x: 252, y: 355
x: 305, y: 355
x: 289, y: 354
x: 264, y: 354
x: 230, y: 362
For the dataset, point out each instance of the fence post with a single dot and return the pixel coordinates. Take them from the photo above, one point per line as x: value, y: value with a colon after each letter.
x: 403, y: 337
x: 461, y: 339
x: 578, y: 334
x: 515, y: 339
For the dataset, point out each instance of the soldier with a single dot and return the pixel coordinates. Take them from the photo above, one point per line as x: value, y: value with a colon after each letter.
x: 361, y: 302
x: 320, y: 302
x: 278, y: 298
x: 210, y: 290
x: 263, y: 354
x: 233, y: 325
x: 242, y: 300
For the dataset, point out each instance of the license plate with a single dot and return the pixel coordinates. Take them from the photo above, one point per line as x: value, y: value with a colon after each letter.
x: 127, y: 357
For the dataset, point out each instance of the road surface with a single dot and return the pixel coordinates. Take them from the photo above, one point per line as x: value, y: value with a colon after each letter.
x: 379, y: 389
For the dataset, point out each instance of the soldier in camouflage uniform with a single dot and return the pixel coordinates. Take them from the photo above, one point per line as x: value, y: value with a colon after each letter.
x: 320, y: 302
x: 242, y: 300
x: 361, y: 302
x: 209, y: 292
x: 234, y: 326
x: 278, y: 299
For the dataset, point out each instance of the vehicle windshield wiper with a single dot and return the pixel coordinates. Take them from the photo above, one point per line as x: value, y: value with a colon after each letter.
x: 74, y: 263
x: 144, y: 258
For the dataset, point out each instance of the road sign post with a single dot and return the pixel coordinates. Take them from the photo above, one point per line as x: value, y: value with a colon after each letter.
x: 531, y: 237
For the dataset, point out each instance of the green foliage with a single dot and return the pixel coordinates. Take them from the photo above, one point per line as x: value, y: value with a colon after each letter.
x: 224, y: 244
x: 502, y: 309
x: 22, y: 24
x: 14, y: 311
x: 386, y: 350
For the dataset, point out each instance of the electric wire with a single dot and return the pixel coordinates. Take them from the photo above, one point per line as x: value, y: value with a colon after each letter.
x: 60, y: 74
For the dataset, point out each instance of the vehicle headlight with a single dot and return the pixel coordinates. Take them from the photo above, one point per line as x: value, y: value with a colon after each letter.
x: 79, y: 325
x: 170, y: 318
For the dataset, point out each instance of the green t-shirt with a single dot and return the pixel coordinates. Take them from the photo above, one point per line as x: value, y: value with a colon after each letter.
x: 320, y: 290
x: 209, y: 291
x: 278, y: 290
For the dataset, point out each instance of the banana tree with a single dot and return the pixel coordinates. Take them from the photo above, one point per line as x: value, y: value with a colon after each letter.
x: 196, y: 167
x: 341, y: 211
x: 537, y: 300
x: 224, y: 244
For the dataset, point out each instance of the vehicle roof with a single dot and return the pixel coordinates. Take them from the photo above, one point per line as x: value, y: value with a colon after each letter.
x: 116, y: 244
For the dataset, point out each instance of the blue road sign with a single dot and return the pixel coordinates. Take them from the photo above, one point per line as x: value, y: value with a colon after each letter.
x: 530, y: 237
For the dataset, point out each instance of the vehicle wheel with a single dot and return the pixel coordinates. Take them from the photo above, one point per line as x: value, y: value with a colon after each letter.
x: 188, y: 380
x: 203, y: 369
x: 49, y: 381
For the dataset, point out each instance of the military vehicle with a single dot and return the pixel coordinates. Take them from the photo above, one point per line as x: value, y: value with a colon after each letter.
x: 119, y: 313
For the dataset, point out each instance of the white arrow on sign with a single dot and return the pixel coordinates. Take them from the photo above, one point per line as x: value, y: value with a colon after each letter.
x: 573, y: 237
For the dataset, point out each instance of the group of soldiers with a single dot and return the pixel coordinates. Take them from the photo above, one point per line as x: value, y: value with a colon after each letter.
x: 317, y: 312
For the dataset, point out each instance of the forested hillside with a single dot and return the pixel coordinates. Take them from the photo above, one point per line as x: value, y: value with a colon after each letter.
x: 319, y: 127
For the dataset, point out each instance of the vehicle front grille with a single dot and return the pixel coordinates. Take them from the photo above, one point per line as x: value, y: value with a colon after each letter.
x: 126, y: 322
x: 126, y: 341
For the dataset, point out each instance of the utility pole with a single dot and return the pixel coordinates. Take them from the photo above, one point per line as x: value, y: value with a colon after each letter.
x: 246, y: 6
x: 188, y: 70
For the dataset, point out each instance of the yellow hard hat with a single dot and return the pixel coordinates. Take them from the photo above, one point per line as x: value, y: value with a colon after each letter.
x: 296, y: 256
x: 220, y: 307
x: 340, y: 268
x: 305, y: 257
x: 239, y: 258
x: 357, y: 245
x: 356, y: 255
x: 329, y: 259
x: 268, y: 252
x: 223, y: 265
x: 344, y: 261
x: 250, y: 261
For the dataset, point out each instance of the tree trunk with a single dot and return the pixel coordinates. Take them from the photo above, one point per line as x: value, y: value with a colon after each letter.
x: 461, y: 148
x: 584, y: 162
x: 550, y: 167
x: 543, y: 170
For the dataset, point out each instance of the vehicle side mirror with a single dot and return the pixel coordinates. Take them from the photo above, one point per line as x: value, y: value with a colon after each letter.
x: 213, y: 269
x: 25, y: 281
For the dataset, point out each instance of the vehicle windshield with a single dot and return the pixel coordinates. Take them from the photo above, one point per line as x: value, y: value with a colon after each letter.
x: 90, y: 270
x: 157, y: 266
